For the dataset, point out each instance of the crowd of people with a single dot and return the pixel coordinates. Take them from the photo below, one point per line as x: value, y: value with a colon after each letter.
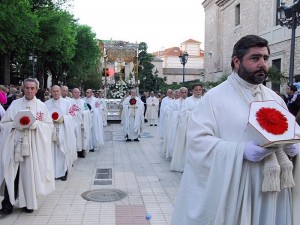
x: 228, y: 178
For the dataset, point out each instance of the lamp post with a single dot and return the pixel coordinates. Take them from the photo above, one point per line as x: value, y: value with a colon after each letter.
x: 183, y: 60
x: 289, y: 16
x: 33, y: 59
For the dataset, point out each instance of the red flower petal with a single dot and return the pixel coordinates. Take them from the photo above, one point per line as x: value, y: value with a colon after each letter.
x: 272, y: 120
x: 24, y: 121
x: 132, y: 101
x: 55, y: 116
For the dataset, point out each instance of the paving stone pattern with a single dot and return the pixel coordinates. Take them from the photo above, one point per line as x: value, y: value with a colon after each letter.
x: 137, y: 168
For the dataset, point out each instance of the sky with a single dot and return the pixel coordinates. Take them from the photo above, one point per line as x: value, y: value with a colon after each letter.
x: 159, y: 23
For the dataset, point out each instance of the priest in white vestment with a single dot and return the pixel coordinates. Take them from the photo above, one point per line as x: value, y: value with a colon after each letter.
x: 178, y: 158
x: 83, y: 124
x: 104, y: 108
x: 223, y: 176
x: 165, y: 102
x: 65, y: 92
x: 97, y: 133
x: 133, y: 110
x: 171, y: 123
x: 63, y: 135
x: 152, y: 109
x: 26, y: 165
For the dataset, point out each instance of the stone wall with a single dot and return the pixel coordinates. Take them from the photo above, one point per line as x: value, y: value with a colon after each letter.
x: 256, y: 17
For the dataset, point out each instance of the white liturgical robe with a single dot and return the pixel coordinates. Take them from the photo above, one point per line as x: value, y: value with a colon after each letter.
x: 133, y: 117
x: 97, y: 133
x: 165, y: 102
x: 36, y: 174
x: 83, y: 125
x: 63, y: 137
x: 218, y: 186
x: 152, y: 110
x: 171, y: 126
x: 104, y: 110
x: 178, y: 158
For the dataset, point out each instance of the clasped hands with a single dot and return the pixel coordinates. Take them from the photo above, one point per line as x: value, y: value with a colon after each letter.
x: 255, y: 153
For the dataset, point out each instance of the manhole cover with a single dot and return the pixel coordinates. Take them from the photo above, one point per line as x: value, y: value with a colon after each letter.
x: 104, y: 195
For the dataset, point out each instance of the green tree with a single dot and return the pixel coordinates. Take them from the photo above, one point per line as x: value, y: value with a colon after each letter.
x: 85, y: 64
x: 18, y: 28
x: 147, y: 80
x: 55, y: 43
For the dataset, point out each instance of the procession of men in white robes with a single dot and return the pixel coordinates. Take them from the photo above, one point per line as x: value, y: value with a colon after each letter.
x: 48, y: 139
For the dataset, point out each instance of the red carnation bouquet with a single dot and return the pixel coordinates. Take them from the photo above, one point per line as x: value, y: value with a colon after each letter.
x: 272, y: 120
x: 25, y: 121
x: 55, y: 116
x: 132, y: 101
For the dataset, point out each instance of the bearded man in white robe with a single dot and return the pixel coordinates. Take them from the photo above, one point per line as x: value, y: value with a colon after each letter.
x: 178, y: 158
x: 152, y: 109
x: 83, y: 124
x: 63, y: 137
x: 223, y: 176
x: 26, y: 166
x: 97, y: 133
x: 133, y: 109
x: 171, y: 123
x: 165, y: 102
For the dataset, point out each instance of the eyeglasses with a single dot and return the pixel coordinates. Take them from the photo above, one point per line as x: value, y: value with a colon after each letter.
x: 87, y: 92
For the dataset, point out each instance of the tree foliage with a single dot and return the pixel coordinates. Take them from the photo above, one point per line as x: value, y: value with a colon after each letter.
x: 146, y: 77
x: 62, y: 46
x: 85, y: 64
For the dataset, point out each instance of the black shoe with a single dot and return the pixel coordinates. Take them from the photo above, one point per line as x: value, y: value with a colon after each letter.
x: 65, y: 177
x: 136, y: 139
x: 27, y: 210
x: 155, y: 125
x: 151, y: 125
x: 128, y: 139
x: 4, y: 212
x: 80, y: 154
x: 92, y: 150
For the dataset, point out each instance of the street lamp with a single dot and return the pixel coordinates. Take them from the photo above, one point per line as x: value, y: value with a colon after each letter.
x: 33, y: 59
x: 183, y: 60
x: 289, y: 16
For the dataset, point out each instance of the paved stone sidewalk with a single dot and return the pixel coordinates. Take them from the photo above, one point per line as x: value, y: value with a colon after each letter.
x: 137, y: 168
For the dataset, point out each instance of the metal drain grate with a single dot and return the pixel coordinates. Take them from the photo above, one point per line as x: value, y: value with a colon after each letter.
x: 102, y: 182
x: 104, y: 195
x: 103, y: 176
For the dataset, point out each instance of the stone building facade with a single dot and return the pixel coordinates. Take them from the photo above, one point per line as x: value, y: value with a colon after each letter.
x: 226, y: 21
x: 172, y: 68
